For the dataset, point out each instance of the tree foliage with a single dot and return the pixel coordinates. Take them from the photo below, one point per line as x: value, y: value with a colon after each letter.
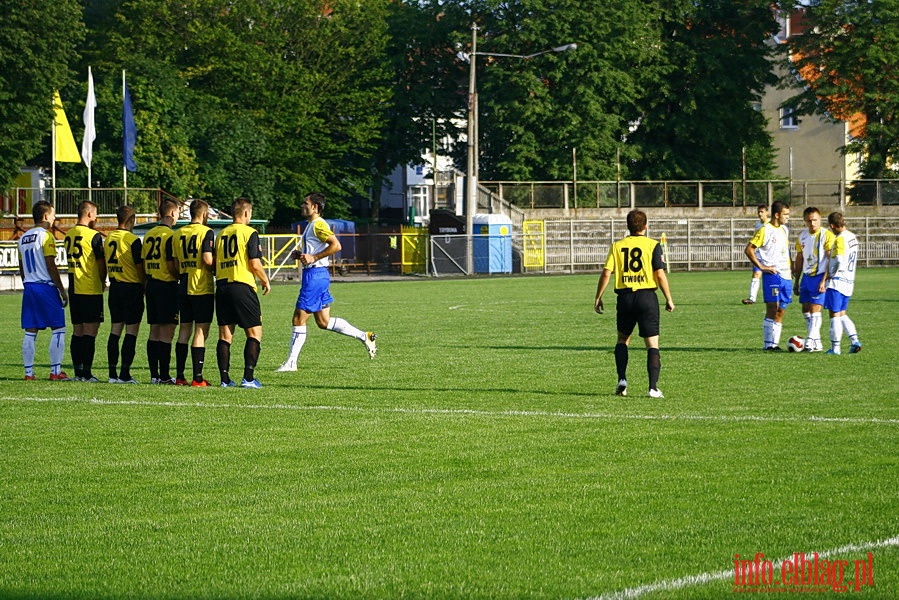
x: 534, y: 112
x: 655, y: 89
x: 38, y: 46
x: 848, y: 58
x: 275, y: 99
x: 698, y: 113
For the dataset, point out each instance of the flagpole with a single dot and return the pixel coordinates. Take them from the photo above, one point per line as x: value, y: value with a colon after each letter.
x: 53, y: 155
x: 124, y: 167
x: 90, y: 131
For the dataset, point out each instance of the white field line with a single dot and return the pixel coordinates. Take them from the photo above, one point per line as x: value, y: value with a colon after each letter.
x: 466, y: 411
x: 671, y: 585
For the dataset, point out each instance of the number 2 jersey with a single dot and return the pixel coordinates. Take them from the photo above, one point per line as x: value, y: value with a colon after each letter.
x: 633, y: 260
x: 123, y: 255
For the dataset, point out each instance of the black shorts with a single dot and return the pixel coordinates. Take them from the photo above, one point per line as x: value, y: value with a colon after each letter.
x: 162, y: 302
x: 126, y: 302
x: 638, y: 308
x: 237, y: 304
x: 196, y: 309
x: 86, y: 308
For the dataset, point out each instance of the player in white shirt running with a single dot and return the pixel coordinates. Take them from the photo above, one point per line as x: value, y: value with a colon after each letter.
x: 769, y: 251
x: 812, y: 252
x: 841, y: 283
x: 318, y: 244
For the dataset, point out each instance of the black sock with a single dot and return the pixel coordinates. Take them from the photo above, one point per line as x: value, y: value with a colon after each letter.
x: 90, y: 348
x: 129, y: 350
x: 181, y: 360
x: 654, y: 366
x: 112, y: 354
x: 621, y: 360
x: 152, y: 358
x: 197, y: 357
x: 77, y: 361
x: 165, y: 359
x: 250, y: 358
x: 223, y: 357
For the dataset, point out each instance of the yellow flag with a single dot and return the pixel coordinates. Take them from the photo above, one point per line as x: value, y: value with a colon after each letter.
x: 66, y: 150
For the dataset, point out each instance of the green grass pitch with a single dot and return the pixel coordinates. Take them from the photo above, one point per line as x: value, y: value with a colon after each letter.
x: 482, y: 454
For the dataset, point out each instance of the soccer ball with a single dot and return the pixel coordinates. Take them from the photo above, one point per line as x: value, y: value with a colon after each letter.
x: 796, y: 344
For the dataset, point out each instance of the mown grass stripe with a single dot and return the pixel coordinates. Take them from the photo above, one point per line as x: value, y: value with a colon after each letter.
x: 468, y: 411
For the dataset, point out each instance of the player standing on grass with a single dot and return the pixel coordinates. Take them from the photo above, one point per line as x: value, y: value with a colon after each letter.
x: 238, y: 263
x: 318, y: 243
x: 841, y: 283
x: 769, y: 251
x: 639, y: 269
x: 194, y: 249
x: 812, y: 251
x: 756, y: 272
x: 45, y: 297
x: 124, y: 262
x: 87, y: 282
x: 162, y: 292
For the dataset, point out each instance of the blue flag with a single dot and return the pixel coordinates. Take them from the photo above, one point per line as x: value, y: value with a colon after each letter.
x: 130, y: 131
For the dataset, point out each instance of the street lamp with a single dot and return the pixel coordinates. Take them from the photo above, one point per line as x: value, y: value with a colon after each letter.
x: 472, y: 171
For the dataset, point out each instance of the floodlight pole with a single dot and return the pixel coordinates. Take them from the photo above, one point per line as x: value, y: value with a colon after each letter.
x: 472, y: 179
x: 472, y: 174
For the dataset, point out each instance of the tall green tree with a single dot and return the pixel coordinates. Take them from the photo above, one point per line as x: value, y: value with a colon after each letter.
x: 848, y: 57
x: 534, y: 112
x: 651, y: 89
x: 38, y: 47
x: 699, y: 109
x: 428, y: 85
x: 164, y: 152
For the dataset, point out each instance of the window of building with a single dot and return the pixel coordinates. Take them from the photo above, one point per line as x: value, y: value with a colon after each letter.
x: 788, y: 118
x: 418, y: 198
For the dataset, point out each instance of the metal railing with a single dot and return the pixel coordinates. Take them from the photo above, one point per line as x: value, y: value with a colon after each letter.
x: 570, y: 246
x: 541, y: 246
x: 66, y: 200
x: 567, y: 195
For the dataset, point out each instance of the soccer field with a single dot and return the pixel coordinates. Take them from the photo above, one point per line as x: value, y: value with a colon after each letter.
x: 482, y: 454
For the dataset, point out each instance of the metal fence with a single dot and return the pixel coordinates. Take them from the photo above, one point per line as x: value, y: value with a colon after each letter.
x: 66, y: 200
x: 544, y: 246
x: 730, y: 193
x: 572, y: 246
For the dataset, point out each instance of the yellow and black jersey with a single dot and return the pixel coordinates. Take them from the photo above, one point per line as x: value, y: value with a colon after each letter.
x: 123, y: 255
x: 236, y: 245
x: 634, y: 260
x: 189, y: 244
x: 84, y: 249
x: 157, y: 249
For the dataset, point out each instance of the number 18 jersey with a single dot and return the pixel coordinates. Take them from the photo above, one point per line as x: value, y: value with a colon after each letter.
x: 633, y: 260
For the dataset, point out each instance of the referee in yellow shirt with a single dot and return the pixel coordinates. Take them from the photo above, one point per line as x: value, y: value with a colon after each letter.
x: 639, y: 268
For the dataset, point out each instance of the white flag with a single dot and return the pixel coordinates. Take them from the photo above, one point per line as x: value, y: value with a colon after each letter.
x: 90, y: 133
